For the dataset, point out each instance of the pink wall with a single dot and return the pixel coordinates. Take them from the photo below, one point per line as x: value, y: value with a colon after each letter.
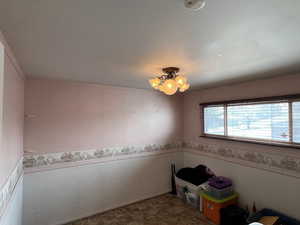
x: 13, y: 110
x: 260, y: 88
x: 68, y: 116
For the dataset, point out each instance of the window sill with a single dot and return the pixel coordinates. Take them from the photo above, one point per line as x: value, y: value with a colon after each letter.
x: 279, y: 144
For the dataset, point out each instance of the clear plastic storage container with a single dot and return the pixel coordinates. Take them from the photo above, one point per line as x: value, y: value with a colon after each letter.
x: 220, y: 193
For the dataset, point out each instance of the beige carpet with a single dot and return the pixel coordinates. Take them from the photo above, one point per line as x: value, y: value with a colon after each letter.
x: 162, y: 210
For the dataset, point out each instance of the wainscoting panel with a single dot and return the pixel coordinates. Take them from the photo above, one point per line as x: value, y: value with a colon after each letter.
x: 60, y: 195
x: 267, y: 188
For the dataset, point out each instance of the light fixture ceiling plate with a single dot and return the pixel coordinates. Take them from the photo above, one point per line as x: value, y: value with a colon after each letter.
x: 170, y: 70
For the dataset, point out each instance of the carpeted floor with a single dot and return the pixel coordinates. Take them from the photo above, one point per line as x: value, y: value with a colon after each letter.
x: 162, y: 210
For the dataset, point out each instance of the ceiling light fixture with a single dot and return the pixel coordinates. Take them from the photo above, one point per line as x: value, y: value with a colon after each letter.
x: 171, y: 82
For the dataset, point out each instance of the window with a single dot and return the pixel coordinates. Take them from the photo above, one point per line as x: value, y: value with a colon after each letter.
x: 268, y: 120
x: 214, y: 120
x: 259, y: 121
x: 296, y: 122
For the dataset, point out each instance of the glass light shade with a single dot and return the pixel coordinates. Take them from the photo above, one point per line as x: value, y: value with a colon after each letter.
x: 181, y: 80
x: 161, y: 88
x: 170, y: 87
x: 155, y: 83
x: 184, y: 87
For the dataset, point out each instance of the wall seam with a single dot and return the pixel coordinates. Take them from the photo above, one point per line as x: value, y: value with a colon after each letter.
x: 9, y: 187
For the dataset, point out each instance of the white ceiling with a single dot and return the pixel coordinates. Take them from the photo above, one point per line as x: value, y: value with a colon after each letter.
x: 125, y: 42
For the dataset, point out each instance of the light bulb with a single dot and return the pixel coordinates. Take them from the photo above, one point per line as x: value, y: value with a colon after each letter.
x: 170, y: 87
x: 184, y: 87
x: 181, y: 80
x: 155, y: 83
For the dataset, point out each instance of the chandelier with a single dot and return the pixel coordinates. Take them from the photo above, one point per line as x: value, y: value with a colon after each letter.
x: 170, y: 82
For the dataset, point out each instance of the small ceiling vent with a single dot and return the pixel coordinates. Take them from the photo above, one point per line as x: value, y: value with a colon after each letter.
x: 194, y: 4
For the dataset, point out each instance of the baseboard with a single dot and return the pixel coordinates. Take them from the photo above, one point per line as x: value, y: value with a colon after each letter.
x: 119, y: 206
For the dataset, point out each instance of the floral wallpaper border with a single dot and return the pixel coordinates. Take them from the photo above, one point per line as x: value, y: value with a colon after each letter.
x: 36, y: 161
x: 278, y: 163
x: 7, y: 190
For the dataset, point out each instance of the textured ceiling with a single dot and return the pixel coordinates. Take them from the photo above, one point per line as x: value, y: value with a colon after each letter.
x: 125, y: 42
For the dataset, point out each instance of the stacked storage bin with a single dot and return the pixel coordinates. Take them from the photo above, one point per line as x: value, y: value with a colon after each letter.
x: 219, y: 194
x: 220, y: 187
